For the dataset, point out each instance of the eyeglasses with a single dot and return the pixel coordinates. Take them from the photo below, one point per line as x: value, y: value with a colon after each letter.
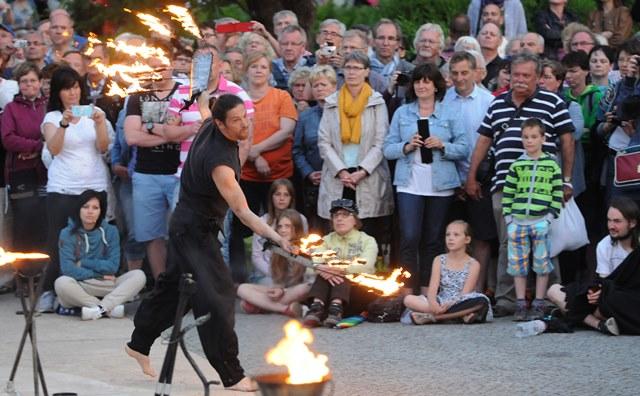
x: 428, y: 41
x: 353, y: 68
x: 208, y: 35
x: 330, y: 33
x: 182, y: 59
x: 35, y: 43
x: 290, y: 44
x: 342, y: 214
x: 352, y: 48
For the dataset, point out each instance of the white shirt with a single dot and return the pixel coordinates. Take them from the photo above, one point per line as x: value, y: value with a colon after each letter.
x: 8, y: 89
x: 79, y: 166
x: 609, y: 256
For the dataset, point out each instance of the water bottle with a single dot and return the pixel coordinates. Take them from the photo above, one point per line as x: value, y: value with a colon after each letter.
x: 528, y: 329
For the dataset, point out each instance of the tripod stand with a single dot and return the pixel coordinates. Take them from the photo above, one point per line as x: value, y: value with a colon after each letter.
x: 187, y: 289
x: 26, y: 274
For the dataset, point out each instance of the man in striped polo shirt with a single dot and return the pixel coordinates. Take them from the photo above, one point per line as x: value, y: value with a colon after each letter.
x: 217, y: 86
x: 500, y: 131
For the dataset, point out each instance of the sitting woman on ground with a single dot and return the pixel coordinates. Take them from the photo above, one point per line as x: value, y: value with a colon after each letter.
x: 451, y: 289
x: 358, y: 251
x: 89, y: 251
x: 291, y: 281
x: 283, y: 197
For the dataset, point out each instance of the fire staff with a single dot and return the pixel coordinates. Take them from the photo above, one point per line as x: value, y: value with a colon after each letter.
x: 209, y: 186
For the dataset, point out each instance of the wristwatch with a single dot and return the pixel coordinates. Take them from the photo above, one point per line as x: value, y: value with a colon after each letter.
x: 566, y: 179
x: 149, y: 126
x: 63, y: 126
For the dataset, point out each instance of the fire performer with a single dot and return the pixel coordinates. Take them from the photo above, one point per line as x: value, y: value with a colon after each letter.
x: 209, y: 185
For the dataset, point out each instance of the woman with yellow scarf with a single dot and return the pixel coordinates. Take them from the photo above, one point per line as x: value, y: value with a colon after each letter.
x: 350, y: 138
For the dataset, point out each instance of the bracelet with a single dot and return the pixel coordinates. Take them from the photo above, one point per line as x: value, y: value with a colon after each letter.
x: 566, y: 184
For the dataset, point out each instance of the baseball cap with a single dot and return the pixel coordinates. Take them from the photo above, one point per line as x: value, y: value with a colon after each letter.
x: 346, y: 204
x: 7, y: 29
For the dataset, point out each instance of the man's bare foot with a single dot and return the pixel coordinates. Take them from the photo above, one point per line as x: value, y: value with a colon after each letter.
x: 143, y: 361
x: 245, y: 385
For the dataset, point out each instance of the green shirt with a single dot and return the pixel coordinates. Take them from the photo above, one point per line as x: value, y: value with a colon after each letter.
x: 354, y: 244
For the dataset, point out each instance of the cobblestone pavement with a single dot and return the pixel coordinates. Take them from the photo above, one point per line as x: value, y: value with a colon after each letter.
x: 485, y: 359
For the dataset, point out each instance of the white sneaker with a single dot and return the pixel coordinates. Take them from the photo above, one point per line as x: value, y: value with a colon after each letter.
x: 45, y: 302
x: 92, y: 313
x: 117, y: 312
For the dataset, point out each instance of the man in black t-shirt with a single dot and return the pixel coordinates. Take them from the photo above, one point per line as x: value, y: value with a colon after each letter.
x: 157, y: 139
x: 209, y: 186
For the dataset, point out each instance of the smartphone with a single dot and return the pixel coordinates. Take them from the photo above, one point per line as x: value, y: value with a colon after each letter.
x: 19, y: 43
x: 82, y: 110
x: 234, y: 27
x: 423, y: 131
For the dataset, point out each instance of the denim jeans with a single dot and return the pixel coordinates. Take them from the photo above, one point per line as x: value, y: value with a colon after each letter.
x: 133, y: 250
x: 422, y: 225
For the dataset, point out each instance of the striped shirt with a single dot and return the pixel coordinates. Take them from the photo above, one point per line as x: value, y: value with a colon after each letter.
x: 502, y: 124
x: 191, y: 115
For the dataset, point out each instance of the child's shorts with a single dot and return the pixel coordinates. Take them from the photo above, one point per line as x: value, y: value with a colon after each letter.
x: 521, y: 240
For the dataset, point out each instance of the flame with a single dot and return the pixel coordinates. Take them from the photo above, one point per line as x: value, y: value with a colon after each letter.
x: 303, y: 365
x: 154, y: 24
x: 144, y: 51
x: 10, y: 257
x: 183, y: 16
x: 310, y: 241
x: 387, y: 286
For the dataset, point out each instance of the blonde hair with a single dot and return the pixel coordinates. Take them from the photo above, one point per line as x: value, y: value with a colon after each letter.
x: 243, y: 43
x: 301, y: 73
x: 323, y: 71
x: 467, y: 232
x: 253, y: 57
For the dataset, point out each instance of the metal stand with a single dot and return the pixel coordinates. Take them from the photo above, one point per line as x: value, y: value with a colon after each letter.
x: 187, y: 289
x: 26, y: 283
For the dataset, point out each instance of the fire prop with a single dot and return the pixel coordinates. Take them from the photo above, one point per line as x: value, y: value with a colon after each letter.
x: 10, y: 257
x: 388, y: 286
x: 307, y: 372
x: 185, y: 19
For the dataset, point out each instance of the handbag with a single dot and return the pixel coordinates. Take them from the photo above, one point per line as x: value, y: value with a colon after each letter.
x: 627, y: 167
x: 568, y: 231
x: 486, y: 169
x: 22, y: 183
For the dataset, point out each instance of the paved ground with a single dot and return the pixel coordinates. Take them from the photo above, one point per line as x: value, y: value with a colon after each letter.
x: 370, y: 359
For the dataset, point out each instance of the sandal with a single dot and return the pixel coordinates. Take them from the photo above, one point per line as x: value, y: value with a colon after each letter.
x: 420, y: 318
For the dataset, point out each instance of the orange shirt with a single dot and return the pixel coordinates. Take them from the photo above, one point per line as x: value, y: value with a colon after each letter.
x: 266, y: 121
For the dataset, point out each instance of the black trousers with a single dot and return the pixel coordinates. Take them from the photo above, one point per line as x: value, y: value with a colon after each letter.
x: 354, y: 298
x: 29, y: 225
x: 59, y: 208
x: 194, y: 248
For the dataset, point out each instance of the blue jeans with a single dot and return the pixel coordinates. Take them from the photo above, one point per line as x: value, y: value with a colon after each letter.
x: 422, y: 225
x: 133, y: 250
x: 152, y: 202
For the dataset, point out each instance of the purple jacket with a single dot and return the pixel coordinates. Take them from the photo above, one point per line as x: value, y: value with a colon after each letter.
x: 21, y: 134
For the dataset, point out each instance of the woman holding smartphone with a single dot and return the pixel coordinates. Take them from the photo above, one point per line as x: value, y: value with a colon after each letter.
x: 76, y: 144
x: 425, y: 186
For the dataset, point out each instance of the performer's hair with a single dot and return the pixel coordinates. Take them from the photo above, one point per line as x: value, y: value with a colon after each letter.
x: 223, y: 104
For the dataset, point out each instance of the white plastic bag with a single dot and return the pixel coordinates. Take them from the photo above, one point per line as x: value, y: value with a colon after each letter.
x: 568, y: 231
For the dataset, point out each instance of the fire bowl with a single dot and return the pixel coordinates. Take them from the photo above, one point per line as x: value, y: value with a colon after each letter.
x: 29, y: 267
x: 276, y: 385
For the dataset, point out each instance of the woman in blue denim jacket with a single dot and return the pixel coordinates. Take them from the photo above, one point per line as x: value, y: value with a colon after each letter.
x: 424, y: 191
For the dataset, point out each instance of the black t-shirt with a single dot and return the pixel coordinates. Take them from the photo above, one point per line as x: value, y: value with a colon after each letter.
x: 209, y: 150
x: 158, y: 160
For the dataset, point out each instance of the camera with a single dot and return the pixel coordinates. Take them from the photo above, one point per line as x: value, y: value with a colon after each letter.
x: 403, y: 79
x: 328, y: 49
x: 19, y: 43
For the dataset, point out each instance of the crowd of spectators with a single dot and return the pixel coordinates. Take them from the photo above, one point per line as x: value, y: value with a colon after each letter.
x: 350, y: 137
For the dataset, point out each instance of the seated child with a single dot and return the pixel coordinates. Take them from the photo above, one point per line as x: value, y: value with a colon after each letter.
x: 282, y: 196
x: 453, y: 280
x: 89, y: 260
x: 291, y: 281
x: 330, y: 287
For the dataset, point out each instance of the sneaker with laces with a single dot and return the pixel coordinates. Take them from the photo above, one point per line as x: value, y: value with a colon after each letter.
x: 521, y: 314
x: 609, y: 327
x: 92, y: 313
x: 46, y: 302
x: 335, y: 315
x: 117, y: 312
x: 536, y: 313
x: 315, y: 315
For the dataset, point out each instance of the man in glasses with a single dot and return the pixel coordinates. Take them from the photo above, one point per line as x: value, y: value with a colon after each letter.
x: 329, y: 39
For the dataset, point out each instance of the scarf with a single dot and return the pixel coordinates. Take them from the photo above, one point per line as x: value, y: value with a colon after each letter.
x: 351, y: 110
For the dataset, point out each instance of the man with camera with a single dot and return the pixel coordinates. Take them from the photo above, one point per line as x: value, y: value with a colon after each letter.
x: 387, y: 39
